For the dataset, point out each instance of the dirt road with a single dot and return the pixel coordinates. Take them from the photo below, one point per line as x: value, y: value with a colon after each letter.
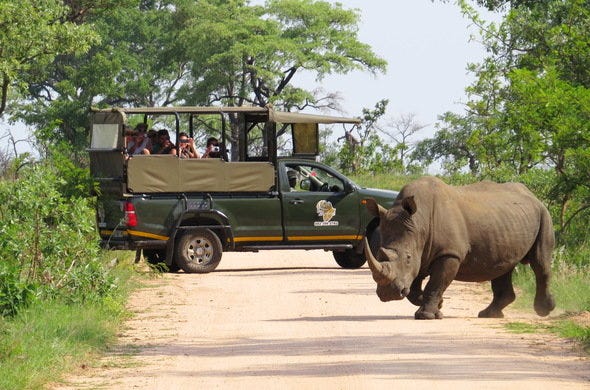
x: 294, y: 320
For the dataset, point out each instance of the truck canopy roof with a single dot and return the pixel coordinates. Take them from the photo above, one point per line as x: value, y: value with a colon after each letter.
x: 268, y: 113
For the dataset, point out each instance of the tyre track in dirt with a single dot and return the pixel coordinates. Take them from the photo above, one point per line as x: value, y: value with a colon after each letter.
x: 294, y: 320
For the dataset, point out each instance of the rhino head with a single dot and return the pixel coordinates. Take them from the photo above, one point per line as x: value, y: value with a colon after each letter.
x: 397, y: 262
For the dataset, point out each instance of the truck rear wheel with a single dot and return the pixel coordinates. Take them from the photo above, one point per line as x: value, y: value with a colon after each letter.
x: 198, y: 251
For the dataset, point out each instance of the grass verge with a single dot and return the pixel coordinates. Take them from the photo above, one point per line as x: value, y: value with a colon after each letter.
x: 50, y: 338
x: 570, y: 287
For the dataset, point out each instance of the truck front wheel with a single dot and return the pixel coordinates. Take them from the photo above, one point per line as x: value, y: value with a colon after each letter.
x: 349, y: 259
x: 198, y: 251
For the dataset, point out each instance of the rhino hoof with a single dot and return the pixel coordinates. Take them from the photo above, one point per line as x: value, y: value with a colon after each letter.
x: 489, y: 313
x: 426, y: 315
x: 544, y: 306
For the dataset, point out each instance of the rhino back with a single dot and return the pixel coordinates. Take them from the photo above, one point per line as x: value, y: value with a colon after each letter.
x: 491, y: 227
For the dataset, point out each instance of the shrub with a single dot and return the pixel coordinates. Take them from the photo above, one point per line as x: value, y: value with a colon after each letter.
x: 49, y: 240
x: 14, y: 293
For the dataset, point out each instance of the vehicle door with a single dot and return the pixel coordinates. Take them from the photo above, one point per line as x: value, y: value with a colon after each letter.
x: 107, y: 170
x: 320, y: 206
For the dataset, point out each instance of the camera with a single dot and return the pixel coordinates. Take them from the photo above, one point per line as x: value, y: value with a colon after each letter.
x: 215, y: 148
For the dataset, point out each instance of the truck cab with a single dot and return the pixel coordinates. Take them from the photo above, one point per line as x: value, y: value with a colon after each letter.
x: 265, y: 192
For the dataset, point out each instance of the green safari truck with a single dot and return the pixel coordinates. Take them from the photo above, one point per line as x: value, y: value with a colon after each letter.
x: 185, y: 212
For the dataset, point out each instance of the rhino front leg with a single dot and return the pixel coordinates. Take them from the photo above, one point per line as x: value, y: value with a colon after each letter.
x: 442, y: 273
x: 416, y: 295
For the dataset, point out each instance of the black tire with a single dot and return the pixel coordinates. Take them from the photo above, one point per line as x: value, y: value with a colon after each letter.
x: 349, y: 259
x: 198, y: 251
x: 157, y: 257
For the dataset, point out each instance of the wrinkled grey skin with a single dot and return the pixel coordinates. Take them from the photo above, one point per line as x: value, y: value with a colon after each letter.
x: 472, y: 233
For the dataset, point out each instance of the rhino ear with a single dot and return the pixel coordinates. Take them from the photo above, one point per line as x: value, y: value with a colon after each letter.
x: 409, y: 204
x: 375, y: 208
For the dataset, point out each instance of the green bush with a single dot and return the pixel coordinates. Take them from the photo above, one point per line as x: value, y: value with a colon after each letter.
x: 14, y: 293
x: 59, y: 301
x: 49, y: 240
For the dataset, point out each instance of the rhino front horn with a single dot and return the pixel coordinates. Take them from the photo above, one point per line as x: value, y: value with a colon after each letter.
x: 374, y: 265
x: 380, y: 275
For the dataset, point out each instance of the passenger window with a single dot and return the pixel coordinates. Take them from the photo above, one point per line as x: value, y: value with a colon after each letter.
x: 314, y: 179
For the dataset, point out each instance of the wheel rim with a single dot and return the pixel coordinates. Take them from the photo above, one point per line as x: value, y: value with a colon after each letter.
x: 199, y: 250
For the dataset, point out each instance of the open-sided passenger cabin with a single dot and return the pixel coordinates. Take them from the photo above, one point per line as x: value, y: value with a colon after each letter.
x: 251, y: 168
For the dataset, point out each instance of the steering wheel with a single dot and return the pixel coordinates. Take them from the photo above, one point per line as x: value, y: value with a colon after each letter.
x: 324, y: 187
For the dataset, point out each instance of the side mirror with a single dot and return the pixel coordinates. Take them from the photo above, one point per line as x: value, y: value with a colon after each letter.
x: 348, y: 188
x: 305, y: 184
x: 336, y: 188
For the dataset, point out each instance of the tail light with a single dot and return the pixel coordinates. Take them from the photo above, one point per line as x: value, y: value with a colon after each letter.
x: 130, y: 216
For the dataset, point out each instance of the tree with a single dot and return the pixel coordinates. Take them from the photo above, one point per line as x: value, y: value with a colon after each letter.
x: 128, y: 67
x: 361, y: 149
x: 252, y: 54
x: 197, y: 53
x: 402, y: 129
x: 32, y: 35
x: 528, y: 107
x: 450, y: 144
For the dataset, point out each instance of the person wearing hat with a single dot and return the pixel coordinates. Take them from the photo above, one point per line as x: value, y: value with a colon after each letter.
x: 140, y: 144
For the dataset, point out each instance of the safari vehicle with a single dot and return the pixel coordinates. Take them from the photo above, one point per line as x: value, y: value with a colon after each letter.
x: 187, y: 212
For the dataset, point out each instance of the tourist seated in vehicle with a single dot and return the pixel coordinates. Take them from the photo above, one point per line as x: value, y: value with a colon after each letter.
x: 153, y: 136
x: 186, y: 147
x: 215, y: 149
x: 163, y: 144
x: 212, y: 148
x: 129, y: 134
x: 140, y: 143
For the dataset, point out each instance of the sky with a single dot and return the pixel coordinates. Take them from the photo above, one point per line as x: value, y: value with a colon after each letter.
x: 427, y: 46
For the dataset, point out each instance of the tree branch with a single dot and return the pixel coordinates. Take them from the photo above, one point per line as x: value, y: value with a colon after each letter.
x: 4, y: 93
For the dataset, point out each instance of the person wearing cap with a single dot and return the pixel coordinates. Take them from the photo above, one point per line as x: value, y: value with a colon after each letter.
x: 292, y: 177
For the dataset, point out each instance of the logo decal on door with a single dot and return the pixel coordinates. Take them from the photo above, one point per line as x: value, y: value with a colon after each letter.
x: 325, y: 210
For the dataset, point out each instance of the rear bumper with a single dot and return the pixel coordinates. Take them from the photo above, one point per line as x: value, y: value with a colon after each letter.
x: 132, y: 245
x: 131, y: 240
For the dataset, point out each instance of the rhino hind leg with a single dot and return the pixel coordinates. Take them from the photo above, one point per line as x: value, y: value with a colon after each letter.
x: 540, y: 260
x: 544, y: 301
x: 503, y: 296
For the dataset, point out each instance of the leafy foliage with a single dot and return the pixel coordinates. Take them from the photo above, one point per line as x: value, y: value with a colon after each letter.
x: 49, y: 246
x: 193, y: 52
x: 14, y: 292
x: 32, y: 34
x: 528, y: 108
x: 362, y: 149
